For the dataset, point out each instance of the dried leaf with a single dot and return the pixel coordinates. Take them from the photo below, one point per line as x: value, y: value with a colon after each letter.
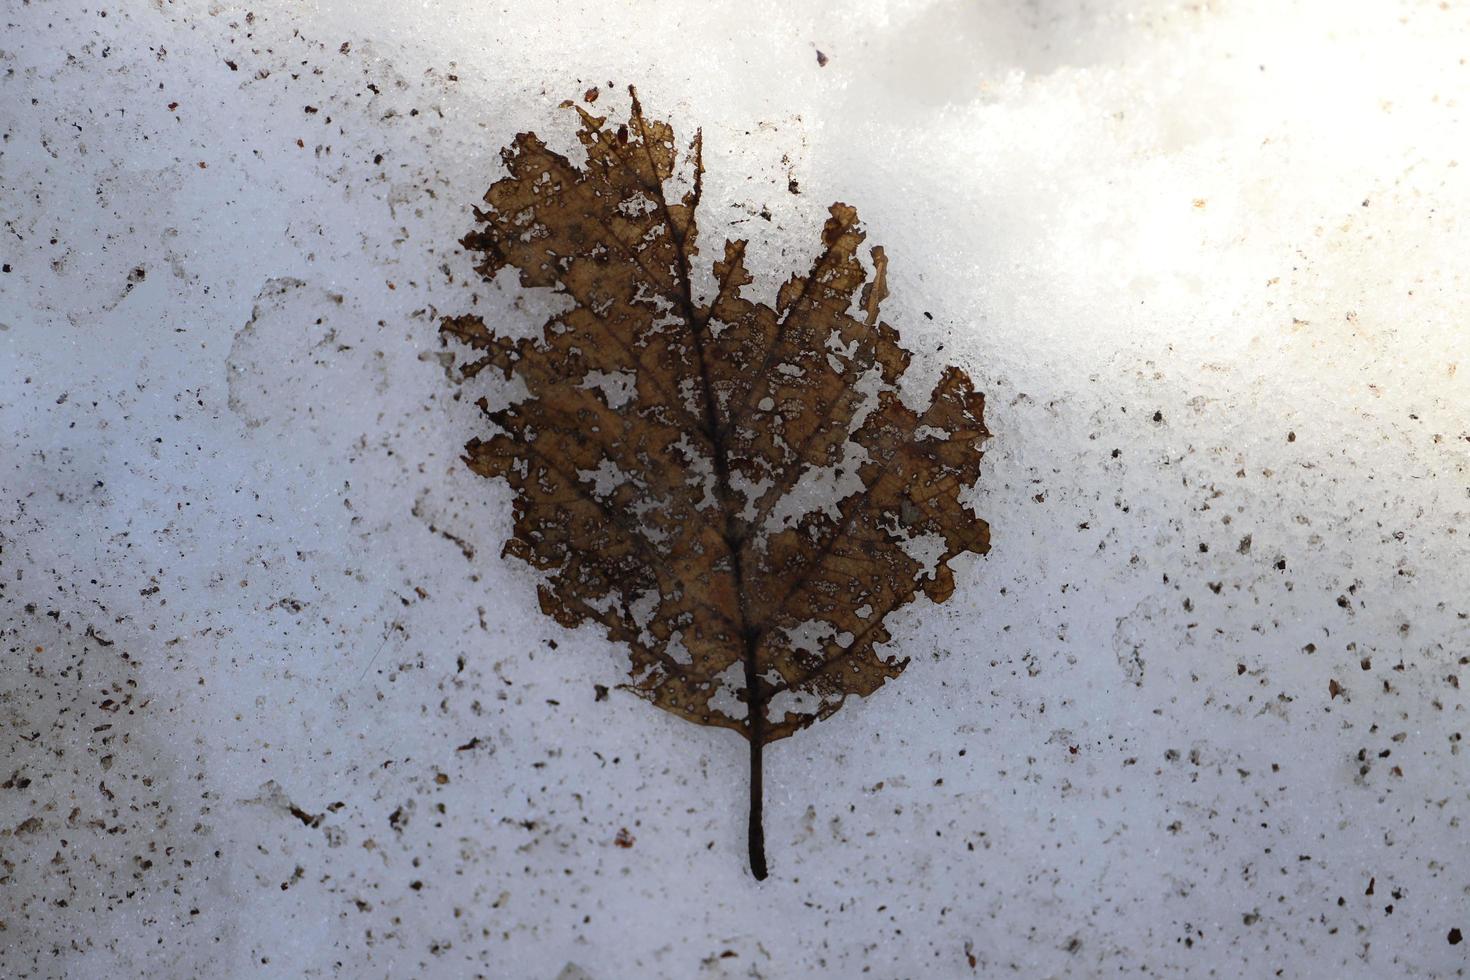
x: 734, y: 491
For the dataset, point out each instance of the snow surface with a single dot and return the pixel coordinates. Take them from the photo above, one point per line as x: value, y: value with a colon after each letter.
x: 271, y: 704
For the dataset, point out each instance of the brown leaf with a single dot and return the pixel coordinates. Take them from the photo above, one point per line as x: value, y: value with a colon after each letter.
x: 735, y: 491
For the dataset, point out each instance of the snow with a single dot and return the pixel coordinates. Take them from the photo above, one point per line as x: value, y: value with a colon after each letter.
x: 272, y: 705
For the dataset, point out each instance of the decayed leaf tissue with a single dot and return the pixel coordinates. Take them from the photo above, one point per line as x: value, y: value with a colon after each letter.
x: 738, y: 493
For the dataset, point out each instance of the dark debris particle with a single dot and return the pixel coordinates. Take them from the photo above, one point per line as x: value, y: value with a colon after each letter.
x: 822, y: 60
x: 309, y: 819
x: 233, y: 66
x: 600, y: 692
x: 1455, y: 937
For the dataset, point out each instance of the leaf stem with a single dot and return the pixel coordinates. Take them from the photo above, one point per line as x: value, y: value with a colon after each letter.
x: 757, y: 738
x: 757, y: 828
